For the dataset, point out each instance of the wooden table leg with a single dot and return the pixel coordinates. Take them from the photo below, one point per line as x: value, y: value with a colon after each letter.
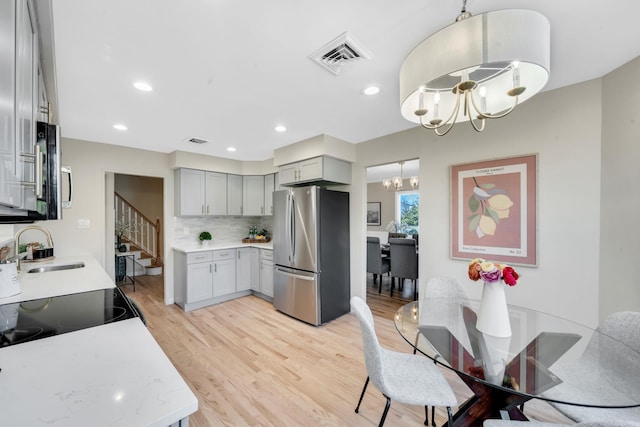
x: 487, y: 402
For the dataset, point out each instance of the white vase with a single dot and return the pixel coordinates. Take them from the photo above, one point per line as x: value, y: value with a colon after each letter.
x: 205, y: 242
x: 493, y: 316
x: 495, y: 355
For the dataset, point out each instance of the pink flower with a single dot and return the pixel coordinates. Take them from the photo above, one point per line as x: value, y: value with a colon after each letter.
x: 490, y: 276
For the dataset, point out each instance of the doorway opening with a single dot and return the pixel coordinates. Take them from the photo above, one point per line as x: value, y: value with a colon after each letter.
x: 392, y: 212
x: 138, y: 224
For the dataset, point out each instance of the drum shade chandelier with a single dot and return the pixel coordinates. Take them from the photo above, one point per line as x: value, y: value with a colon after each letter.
x: 478, y: 68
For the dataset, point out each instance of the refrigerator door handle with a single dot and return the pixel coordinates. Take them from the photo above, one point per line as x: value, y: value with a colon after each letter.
x: 297, y: 276
x: 290, y: 227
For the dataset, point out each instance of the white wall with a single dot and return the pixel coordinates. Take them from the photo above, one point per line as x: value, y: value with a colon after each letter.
x: 620, y: 203
x: 90, y: 163
x: 563, y: 128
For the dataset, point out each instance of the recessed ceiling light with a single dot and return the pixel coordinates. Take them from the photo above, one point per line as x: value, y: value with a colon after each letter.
x: 143, y: 86
x: 280, y: 128
x: 120, y: 126
x: 231, y: 149
x: 371, y: 90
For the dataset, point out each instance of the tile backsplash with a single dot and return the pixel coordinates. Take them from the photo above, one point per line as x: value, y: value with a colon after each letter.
x: 222, y: 228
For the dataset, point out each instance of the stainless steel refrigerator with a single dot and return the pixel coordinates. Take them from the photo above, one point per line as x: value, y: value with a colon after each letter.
x: 311, y: 253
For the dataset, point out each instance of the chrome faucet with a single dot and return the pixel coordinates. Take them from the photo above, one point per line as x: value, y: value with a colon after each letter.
x: 16, y: 240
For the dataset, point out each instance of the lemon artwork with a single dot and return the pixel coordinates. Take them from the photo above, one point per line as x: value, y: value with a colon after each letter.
x: 489, y: 205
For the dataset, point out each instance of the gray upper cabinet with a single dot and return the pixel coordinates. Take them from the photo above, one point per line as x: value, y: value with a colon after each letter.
x: 10, y: 192
x: 234, y: 194
x: 205, y: 193
x: 253, y: 195
x: 19, y: 62
x: 216, y: 193
x: 190, y: 190
x: 320, y: 169
x: 42, y: 103
x: 27, y: 63
x: 269, y: 188
x: 200, y: 193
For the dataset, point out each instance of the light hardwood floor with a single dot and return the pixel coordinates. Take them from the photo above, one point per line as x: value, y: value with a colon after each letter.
x: 250, y: 365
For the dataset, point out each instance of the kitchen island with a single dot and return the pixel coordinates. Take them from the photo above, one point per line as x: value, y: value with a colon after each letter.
x: 109, y: 375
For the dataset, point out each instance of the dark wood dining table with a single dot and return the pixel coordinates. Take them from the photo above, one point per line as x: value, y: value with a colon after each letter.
x: 504, y: 373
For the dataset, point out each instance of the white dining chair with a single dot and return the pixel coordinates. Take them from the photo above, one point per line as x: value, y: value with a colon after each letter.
x: 618, y: 368
x: 407, y: 378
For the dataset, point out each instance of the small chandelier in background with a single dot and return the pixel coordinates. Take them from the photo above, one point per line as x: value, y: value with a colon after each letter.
x: 478, y: 68
x: 396, y: 182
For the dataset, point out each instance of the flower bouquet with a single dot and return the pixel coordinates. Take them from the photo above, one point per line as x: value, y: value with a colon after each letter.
x: 493, y: 316
x: 492, y: 272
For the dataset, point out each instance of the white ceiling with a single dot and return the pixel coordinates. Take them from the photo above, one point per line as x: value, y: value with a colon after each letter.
x: 229, y: 71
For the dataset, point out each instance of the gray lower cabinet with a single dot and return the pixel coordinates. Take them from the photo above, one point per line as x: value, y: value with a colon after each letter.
x: 255, y: 269
x: 224, y: 272
x: 243, y: 269
x: 266, y: 272
x: 205, y: 278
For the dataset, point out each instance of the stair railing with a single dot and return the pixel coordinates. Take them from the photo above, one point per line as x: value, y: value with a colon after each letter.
x: 144, y: 233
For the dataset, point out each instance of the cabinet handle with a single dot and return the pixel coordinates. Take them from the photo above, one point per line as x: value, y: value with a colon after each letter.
x: 39, y: 172
x: 240, y: 209
x: 209, y: 268
x: 207, y: 208
x: 215, y: 268
x: 261, y: 209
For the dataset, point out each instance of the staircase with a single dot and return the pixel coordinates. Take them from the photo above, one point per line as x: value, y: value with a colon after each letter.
x: 144, y: 264
x: 141, y: 239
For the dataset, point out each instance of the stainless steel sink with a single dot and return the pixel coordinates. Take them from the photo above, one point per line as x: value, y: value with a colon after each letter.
x: 56, y: 267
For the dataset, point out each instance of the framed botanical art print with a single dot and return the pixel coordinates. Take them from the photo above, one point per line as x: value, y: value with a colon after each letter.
x: 493, y: 210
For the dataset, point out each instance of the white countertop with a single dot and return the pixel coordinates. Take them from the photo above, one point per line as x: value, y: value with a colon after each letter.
x: 63, y: 282
x: 109, y: 375
x: 197, y: 247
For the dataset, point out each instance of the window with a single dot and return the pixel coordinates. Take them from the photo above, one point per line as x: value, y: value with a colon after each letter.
x: 407, y: 207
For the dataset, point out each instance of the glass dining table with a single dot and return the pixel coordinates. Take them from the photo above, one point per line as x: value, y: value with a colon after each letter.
x: 546, y: 357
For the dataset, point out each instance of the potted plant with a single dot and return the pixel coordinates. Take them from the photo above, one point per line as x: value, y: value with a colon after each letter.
x: 123, y: 228
x: 205, y: 238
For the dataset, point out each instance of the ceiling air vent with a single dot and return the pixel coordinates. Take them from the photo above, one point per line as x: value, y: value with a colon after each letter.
x: 339, y: 51
x: 198, y: 141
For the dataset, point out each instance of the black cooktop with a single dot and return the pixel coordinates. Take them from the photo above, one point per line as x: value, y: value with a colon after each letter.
x: 41, y: 318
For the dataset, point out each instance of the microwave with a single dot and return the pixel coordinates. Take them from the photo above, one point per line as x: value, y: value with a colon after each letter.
x: 52, y: 187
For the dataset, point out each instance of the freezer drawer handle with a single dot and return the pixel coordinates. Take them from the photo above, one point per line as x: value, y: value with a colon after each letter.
x: 297, y: 276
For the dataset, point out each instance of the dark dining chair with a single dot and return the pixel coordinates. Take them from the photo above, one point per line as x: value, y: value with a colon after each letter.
x: 404, y: 263
x: 376, y: 263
